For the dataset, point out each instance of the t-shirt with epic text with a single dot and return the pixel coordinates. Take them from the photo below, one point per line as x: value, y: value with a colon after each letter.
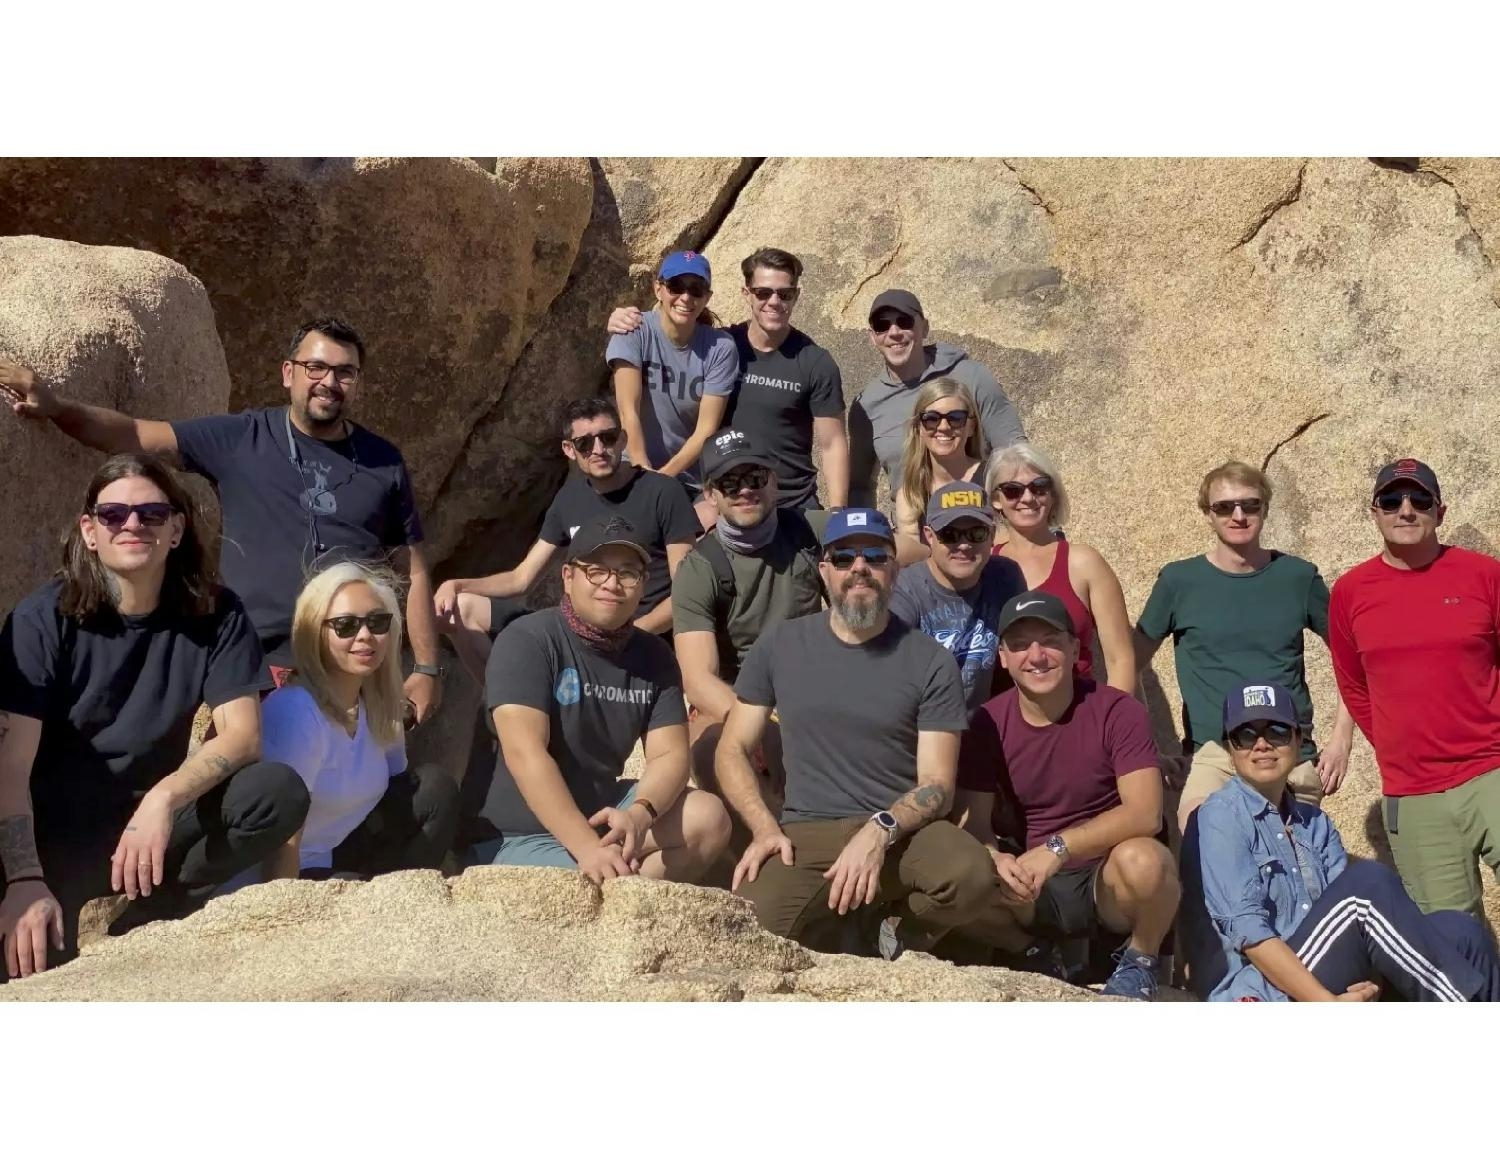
x: 1230, y: 629
x: 780, y: 392
x: 597, y: 708
x: 1063, y: 774
x: 962, y: 622
x: 657, y: 505
x: 850, y: 713
x: 116, y: 696
x: 347, y: 499
x: 674, y: 381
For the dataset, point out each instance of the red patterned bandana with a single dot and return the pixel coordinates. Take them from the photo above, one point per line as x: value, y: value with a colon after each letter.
x: 609, y: 641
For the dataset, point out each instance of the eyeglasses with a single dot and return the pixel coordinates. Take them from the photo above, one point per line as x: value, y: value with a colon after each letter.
x: 685, y: 284
x: 885, y: 321
x: 754, y: 478
x: 347, y: 627
x: 116, y: 515
x: 318, y: 371
x: 1039, y: 486
x: 1389, y: 501
x: 949, y: 536
x: 1224, y: 508
x: 932, y: 419
x: 610, y: 438
x: 629, y: 578
x: 1278, y: 734
x: 842, y: 558
x: 765, y: 293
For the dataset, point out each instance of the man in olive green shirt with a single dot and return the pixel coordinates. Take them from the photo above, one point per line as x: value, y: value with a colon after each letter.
x: 1236, y: 615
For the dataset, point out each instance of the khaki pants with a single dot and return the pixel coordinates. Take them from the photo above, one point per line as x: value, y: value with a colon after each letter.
x: 1212, y: 767
x: 1438, y: 840
x: 940, y: 877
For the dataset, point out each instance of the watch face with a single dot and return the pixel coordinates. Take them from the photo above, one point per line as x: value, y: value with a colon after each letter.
x: 885, y: 820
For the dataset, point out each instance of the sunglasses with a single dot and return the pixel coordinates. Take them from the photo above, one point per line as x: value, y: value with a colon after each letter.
x: 765, y: 293
x: 949, y: 536
x: 1224, y: 508
x: 842, y: 558
x: 116, y: 515
x: 1039, y: 486
x: 753, y: 479
x: 883, y: 323
x: 347, y: 627
x: 684, y: 284
x: 932, y: 419
x: 1278, y: 734
x: 610, y: 438
x: 1390, y: 501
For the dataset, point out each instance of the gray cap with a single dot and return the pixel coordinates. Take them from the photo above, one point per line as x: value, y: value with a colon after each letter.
x: 903, y: 300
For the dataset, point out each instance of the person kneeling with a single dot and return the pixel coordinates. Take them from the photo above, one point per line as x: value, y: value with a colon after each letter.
x: 1278, y: 912
x: 338, y: 722
x: 572, y: 689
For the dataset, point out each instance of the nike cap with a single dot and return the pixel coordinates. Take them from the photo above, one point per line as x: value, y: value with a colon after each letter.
x: 1042, y: 606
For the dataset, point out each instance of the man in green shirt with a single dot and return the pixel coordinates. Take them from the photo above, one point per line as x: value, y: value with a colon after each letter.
x: 1236, y: 615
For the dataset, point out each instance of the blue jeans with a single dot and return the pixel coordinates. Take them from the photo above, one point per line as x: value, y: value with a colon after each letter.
x: 536, y: 848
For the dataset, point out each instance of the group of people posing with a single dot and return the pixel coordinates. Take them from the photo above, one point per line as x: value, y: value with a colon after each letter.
x: 919, y: 731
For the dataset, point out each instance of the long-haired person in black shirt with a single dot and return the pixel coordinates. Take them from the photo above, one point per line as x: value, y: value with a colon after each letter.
x: 101, y: 673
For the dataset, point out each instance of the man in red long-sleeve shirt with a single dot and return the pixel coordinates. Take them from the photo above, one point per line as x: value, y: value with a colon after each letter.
x: 1415, y: 638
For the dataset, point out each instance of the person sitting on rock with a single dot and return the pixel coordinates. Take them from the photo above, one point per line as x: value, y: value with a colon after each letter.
x: 571, y: 691
x: 338, y: 723
x: 956, y: 594
x: 1276, y: 911
x: 473, y: 611
x: 943, y: 445
x: 300, y: 486
x: 870, y: 713
x: 101, y: 674
x: 1074, y: 766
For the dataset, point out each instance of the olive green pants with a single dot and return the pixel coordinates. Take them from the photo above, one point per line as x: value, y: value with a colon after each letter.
x: 1438, y: 840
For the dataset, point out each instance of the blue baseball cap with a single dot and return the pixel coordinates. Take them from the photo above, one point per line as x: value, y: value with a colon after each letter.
x: 685, y: 262
x: 853, y: 521
x: 1251, y: 702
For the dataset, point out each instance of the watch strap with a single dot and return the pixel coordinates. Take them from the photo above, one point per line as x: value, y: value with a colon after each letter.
x: 432, y: 670
x: 648, y: 806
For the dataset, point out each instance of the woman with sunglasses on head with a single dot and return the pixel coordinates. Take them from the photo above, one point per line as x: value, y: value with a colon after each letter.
x: 1275, y: 910
x: 102, y: 672
x: 943, y: 445
x: 1027, y: 492
x: 674, y: 376
x: 339, y: 723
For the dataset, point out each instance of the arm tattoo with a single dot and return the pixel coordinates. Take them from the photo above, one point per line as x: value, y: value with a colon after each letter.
x: 18, y: 846
x: 923, y: 804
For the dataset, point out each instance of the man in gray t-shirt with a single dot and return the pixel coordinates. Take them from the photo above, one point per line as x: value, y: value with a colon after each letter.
x: 871, y: 713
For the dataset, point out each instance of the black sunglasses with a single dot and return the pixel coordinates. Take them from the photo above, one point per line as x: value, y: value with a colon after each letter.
x: 883, y: 323
x: 753, y: 478
x: 1274, y: 731
x: 583, y: 444
x: 843, y: 558
x: 1389, y: 501
x: 116, y: 515
x: 347, y: 627
x: 765, y: 293
x: 686, y: 284
x: 948, y: 536
x: 1039, y: 486
x: 1224, y: 508
x: 932, y: 419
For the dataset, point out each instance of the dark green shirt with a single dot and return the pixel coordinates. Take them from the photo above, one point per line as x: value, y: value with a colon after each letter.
x: 1237, y: 629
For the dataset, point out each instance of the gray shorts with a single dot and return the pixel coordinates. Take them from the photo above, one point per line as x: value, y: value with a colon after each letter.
x: 536, y: 848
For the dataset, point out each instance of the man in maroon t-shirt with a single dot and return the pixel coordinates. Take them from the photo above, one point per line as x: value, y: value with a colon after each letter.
x: 1074, y: 764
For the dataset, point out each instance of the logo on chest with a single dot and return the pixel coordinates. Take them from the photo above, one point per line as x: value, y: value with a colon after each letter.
x: 569, y: 687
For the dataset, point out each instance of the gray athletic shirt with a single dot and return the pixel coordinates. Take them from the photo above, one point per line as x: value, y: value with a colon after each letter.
x: 850, y: 713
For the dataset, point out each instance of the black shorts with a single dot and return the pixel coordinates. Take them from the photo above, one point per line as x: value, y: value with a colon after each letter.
x: 502, y: 611
x: 1066, y: 908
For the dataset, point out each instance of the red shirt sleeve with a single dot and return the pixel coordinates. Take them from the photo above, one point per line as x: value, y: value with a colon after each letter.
x: 1348, y: 668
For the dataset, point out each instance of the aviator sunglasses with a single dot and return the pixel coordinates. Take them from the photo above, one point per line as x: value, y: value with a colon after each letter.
x: 1390, y: 501
x: 583, y: 444
x: 932, y: 419
x: 347, y: 627
x: 116, y: 515
x: 1278, y: 734
x: 1224, y: 508
x: 1039, y: 486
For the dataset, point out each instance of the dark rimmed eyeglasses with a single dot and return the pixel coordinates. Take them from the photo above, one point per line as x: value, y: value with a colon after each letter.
x: 686, y: 284
x: 1012, y: 491
x: 629, y: 578
x: 1275, y: 732
x: 932, y: 419
x: 842, y: 558
x: 766, y: 293
x: 976, y: 534
x: 610, y: 439
x: 116, y: 515
x: 1224, y: 508
x: 1390, y: 501
x: 752, y: 478
x: 347, y: 627
x: 318, y: 371
x: 885, y: 321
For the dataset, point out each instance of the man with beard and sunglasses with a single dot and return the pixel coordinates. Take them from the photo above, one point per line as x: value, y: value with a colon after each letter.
x: 790, y: 393
x: 1235, y: 613
x: 871, y: 711
x: 301, y: 486
x: 879, y: 417
x: 472, y: 611
x: 1415, y: 637
x: 956, y: 594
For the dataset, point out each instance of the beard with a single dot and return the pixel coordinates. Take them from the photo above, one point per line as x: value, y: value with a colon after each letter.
x: 860, y: 615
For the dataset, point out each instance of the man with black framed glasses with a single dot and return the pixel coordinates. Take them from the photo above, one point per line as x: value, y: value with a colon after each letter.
x: 956, y: 594
x: 300, y: 486
x: 571, y: 691
x: 1415, y: 635
x: 470, y: 611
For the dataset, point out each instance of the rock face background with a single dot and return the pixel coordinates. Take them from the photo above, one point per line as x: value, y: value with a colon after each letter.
x: 1150, y: 318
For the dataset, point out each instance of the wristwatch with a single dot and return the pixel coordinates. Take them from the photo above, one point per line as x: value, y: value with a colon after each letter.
x: 432, y: 670
x: 1057, y: 845
x: 887, y: 824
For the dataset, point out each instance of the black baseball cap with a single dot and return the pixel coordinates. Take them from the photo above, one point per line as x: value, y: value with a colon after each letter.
x: 954, y: 501
x: 607, y: 531
x: 731, y: 449
x: 1408, y: 471
x: 903, y: 300
x: 1042, y: 606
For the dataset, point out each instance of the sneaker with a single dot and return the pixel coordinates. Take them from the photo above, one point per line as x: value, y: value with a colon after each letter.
x: 1041, y: 957
x: 1134, y: 976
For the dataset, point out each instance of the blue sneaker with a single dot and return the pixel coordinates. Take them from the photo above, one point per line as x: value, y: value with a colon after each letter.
x: 1134, y: 976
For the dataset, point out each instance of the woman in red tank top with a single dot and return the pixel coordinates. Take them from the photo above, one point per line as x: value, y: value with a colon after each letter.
x: 1027, y: 491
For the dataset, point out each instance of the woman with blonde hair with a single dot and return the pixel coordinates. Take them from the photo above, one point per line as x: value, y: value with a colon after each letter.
x: 340, y: 723
x: 943, y: 445
x: 1026, y: 490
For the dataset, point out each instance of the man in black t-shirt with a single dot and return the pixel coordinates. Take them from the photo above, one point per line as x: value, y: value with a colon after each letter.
x: 300, y: 486
x: 790, y: 392
x: 472, y: 611
x: 572, y: 690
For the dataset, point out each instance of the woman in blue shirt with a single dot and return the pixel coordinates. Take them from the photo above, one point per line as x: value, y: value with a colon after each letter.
x: 1278, y: 912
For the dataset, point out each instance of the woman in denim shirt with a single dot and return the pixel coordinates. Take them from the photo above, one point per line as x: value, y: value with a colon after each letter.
x: 1276, y: 911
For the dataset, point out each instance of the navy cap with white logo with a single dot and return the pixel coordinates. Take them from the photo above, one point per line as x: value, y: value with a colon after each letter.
x: 1251, y: 702
x: 855, y: 521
